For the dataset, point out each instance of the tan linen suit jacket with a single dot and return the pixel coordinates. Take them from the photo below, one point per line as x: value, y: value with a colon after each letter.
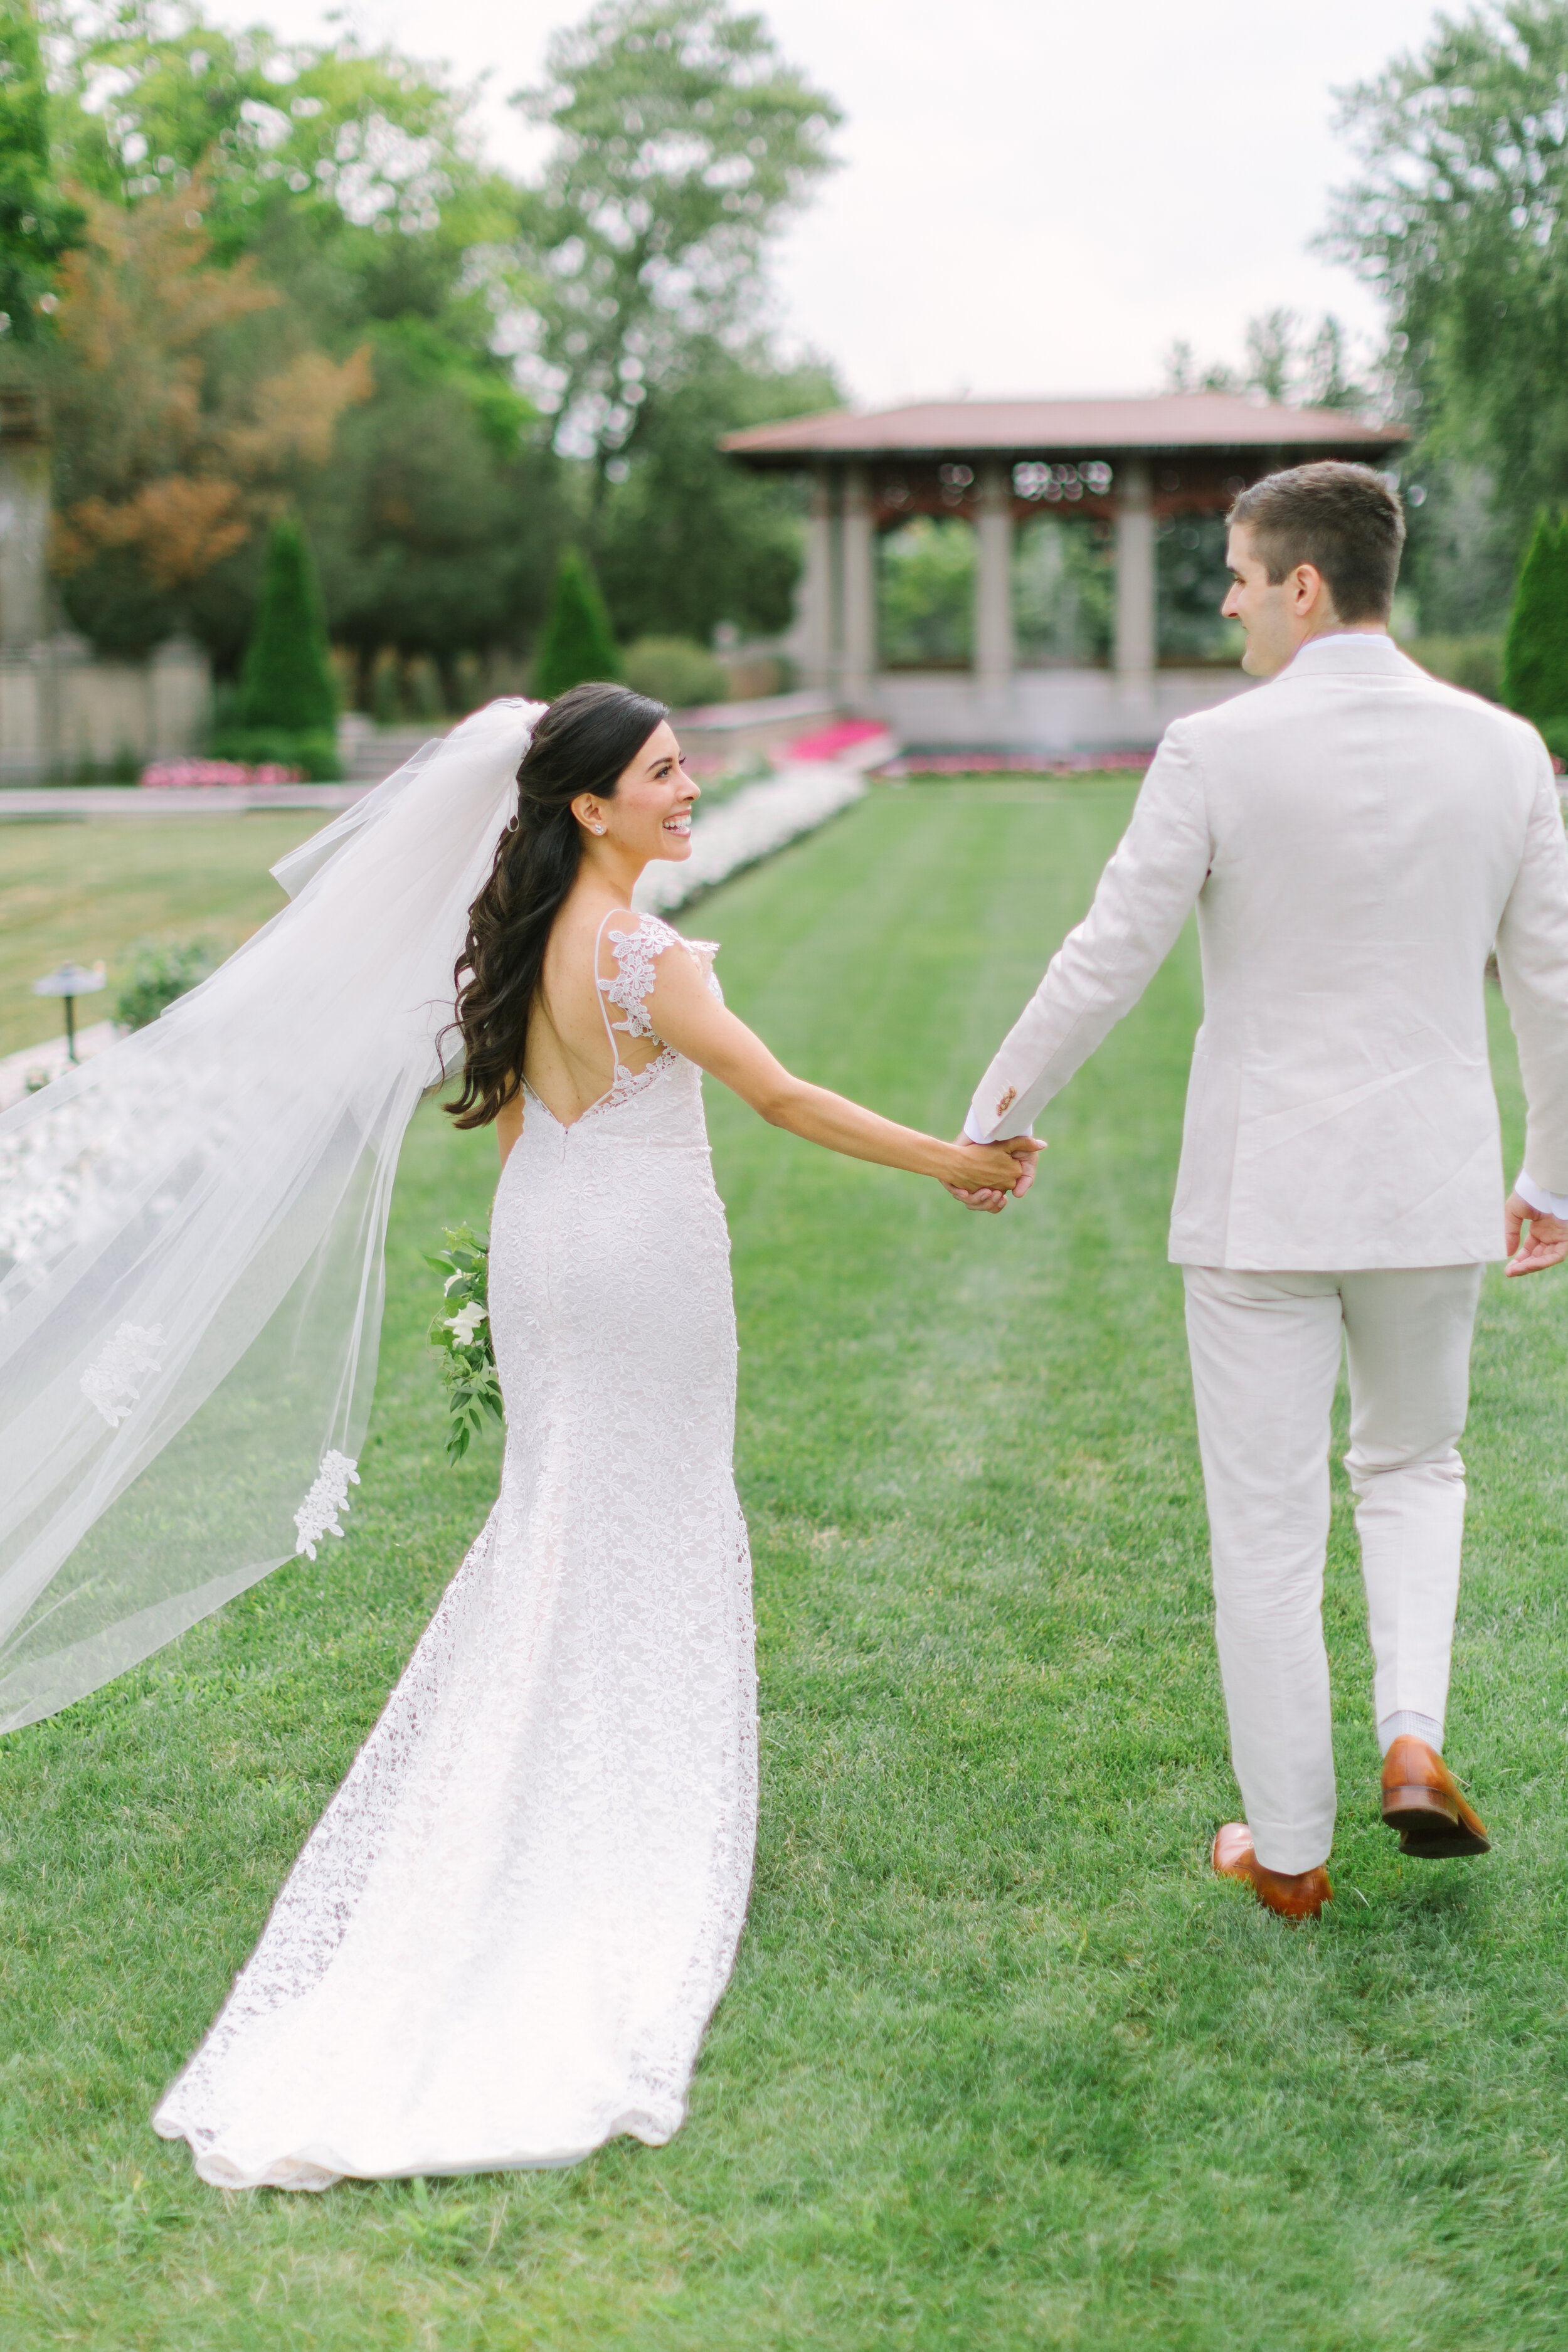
x: 1356, y: 836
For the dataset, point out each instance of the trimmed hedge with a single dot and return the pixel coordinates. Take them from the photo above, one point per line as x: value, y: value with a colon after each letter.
x: 676, y: 671
x: 315, y: 750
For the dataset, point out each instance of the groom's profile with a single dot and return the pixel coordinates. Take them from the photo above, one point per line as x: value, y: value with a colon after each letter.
x: 1357, y: 839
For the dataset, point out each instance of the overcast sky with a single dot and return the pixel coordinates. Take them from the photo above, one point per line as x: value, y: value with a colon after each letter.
x: 1035, y: 196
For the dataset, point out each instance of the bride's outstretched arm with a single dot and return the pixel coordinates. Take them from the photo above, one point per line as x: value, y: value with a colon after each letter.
x: 687, y: 1016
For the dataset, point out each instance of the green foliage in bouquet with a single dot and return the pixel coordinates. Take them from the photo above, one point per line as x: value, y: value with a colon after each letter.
x: 462, y: 1331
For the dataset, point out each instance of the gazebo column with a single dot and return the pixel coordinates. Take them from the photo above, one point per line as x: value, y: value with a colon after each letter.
x: 1135, y: 575
x: 814, y: 605
x: 993, y: 650
x: 858, y: 555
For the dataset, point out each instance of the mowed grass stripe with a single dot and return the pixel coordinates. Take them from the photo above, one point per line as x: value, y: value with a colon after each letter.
x: 1002, y: 2063
x: 76, y: 892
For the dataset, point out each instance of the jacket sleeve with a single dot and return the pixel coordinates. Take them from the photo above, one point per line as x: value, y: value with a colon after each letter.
x: 1102, y: 967
x: 1533, y: 965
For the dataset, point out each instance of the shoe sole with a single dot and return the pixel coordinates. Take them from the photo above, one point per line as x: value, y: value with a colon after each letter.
x: 1431, y: 1827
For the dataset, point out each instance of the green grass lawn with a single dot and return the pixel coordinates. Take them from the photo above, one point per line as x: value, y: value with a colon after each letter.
x: 1002, y: 2065
x: 74, y: 892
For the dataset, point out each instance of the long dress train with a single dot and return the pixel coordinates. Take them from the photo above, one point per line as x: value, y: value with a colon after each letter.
x: 503, y: 1941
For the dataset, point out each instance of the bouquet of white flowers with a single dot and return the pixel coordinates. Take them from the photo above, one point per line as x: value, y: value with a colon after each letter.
x: 461, y: 1330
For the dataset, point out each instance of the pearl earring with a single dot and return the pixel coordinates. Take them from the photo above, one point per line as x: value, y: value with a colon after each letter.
x: 598, y: 828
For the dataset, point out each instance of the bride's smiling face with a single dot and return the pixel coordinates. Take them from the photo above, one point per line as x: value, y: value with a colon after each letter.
x: 649, y: 814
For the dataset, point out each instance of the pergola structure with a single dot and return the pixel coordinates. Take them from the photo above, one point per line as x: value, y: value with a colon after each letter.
x: 1130, y: 460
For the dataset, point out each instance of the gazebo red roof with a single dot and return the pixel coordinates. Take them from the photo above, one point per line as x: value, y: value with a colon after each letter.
x: 1175, y: 420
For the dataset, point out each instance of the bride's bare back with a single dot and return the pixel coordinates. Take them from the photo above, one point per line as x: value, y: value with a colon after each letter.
x: 569, y: 1059
x: 569, y: 1063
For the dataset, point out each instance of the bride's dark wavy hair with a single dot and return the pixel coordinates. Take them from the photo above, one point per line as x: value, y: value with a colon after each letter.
x: 585, y: 743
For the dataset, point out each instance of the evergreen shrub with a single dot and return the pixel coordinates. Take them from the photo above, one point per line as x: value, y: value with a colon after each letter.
x: 158, y: 976
x: 286, y: 679
x: 578, y: 641
x: 1535, y: 652
x: 676, y: 671
x: 287, y: 705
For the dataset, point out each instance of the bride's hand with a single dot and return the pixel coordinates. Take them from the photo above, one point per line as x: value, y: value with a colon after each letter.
x: 1007, y: 1166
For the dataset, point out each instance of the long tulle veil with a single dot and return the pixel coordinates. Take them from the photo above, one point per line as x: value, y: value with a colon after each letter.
x: 191, y: 1239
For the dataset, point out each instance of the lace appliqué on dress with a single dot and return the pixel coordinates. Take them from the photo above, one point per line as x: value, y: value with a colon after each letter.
x: 636, y: 953
x: 113, y: 1380
x: 318, y: 1514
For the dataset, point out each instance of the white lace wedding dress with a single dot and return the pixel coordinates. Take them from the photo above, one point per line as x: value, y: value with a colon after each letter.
x: 502, y: 1943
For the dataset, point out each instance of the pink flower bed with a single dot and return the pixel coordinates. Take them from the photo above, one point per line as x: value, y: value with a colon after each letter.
x: 182, y: 775
x: 831, y: 741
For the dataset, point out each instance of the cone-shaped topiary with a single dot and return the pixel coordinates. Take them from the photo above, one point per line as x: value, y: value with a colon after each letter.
x: 286, y: 680
x: 1535, y: 654
x: 578, y: 643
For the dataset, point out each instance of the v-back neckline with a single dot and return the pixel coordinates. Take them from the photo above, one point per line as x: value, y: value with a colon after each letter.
x: 624, y: 1076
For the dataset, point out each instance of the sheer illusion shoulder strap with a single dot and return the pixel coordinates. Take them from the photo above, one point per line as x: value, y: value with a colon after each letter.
x: 637, y: 953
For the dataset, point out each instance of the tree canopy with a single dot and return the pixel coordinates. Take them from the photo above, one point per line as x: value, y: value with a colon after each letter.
x: 284, y: 277
x: 681, y: 141
x: 38, y: 222
x: 1456, y: 217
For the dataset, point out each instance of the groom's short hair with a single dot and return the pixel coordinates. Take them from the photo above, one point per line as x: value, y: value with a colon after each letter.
x: 1344, y: 521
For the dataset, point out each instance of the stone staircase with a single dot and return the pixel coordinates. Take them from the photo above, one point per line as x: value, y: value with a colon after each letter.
x: 371, y: 754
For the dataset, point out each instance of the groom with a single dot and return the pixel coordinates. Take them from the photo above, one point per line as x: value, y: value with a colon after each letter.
x: 1356, y: 838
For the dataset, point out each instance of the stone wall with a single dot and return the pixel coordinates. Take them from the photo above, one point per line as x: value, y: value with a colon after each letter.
x: 63, y: 713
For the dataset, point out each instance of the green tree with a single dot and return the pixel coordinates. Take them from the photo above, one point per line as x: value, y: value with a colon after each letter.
x: 1456, y: 218
x: 578, y: 643
x: 1535, y: 652
x: 686, y: 538
x: 1287, y: 359
x: 37, y: 225
x: 438, y: 523
x: 362, y: 142
x: 286, y: 680
x: 681, y: 141
x: 342, y: 187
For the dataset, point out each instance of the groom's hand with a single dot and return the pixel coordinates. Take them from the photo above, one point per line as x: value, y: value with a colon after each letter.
x: 1547, y: 1245
x: 1025, y: 1148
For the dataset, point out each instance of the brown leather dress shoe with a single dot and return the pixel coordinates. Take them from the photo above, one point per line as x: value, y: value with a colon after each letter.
x: 1293, y: 1894
x: 1421, y: 1800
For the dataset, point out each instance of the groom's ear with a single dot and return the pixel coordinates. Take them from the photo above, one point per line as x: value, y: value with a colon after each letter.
x: 1310, y: 595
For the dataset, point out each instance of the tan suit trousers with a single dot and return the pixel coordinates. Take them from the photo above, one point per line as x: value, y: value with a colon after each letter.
x: 1265, y: 1356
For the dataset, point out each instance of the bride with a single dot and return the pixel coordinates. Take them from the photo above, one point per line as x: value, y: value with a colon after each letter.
x: 502, y: 1943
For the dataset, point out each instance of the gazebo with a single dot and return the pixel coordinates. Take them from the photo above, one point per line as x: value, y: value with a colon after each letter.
x: 1133, y: 466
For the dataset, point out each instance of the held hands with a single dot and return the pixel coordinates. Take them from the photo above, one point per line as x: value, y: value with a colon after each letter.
x: 989, y: 1186
x: 1547, y: 1245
